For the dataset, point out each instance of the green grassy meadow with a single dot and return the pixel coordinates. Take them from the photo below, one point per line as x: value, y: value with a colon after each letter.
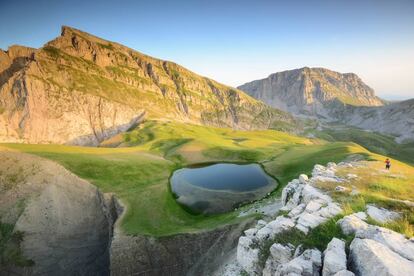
x: 138, y: 171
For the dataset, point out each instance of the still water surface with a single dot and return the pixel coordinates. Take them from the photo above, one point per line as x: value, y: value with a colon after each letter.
x: 221, y: 187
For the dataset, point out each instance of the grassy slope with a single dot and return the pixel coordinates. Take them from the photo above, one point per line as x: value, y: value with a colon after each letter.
x: 139, y: 174
x: 374, y: 142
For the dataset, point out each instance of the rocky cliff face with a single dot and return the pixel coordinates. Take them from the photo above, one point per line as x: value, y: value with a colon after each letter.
x: 396, y: 119
x: 81, y: 89
x: 334, y: 97
x: 61, y: 224
x: 312, y: 91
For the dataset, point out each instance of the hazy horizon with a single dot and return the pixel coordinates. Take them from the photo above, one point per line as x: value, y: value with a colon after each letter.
x: 235, y: 42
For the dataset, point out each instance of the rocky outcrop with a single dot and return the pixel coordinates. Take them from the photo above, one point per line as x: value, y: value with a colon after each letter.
x: 334, y: 97
x: 334, y: 257
x: 308, y: 264
x: 381, y: 215
x: 65, y: 222
x: 371, y: 258
x: 374, y: 251
x: 81, y: 89
x: 312, y: 91
x: 307, y: 208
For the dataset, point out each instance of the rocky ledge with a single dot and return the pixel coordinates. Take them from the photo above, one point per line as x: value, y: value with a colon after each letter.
x: 374, y: 250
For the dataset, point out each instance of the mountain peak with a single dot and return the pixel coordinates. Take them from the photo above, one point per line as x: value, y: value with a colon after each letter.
x: 312, y: 91
x: 80, y: 89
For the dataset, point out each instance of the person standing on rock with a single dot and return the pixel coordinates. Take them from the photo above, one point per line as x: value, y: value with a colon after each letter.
x: 387, y: 164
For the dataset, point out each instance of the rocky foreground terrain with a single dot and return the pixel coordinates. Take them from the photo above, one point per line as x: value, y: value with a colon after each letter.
x: 265, y: 250
x: 81, y: 89
x: 330, y: 96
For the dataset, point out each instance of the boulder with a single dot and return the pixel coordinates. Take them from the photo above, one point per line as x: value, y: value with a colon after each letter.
x: 279, y: 254
x: 303, y: 178
x: 289, y: 190
x: 318, y: 170
x: 334, y: 257
x: 275, y: 227
x: 331, y: 210
x: 393, y: 240
x: 291, y: 195
x: 248, y: 256
x: 381, y: 215
x: 307, y: 264
x: 331, y: 165
x: 371, y: 258
x: 351, y: 224
x: 309, y: 220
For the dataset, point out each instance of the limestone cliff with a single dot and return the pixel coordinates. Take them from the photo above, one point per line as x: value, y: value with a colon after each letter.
x: 81, y: 89
x: 334, y: 97
x: 312, y: 91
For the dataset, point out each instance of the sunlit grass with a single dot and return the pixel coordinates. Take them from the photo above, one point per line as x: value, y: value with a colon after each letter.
x: 138, y: 173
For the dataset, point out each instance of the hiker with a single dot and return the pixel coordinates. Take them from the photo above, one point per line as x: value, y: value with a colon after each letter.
x: 387, y: 164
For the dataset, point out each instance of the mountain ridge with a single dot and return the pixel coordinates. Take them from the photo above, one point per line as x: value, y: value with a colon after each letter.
x: 330, y: 96
x: 82, y: 89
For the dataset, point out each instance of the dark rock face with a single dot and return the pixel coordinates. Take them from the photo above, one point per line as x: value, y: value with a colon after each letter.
x: 184, y: 254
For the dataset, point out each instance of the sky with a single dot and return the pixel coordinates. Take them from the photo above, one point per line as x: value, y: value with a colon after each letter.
x: 235, y: 42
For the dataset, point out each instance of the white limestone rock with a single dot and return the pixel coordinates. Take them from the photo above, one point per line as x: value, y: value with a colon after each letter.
x: 314, y: 205
x: 351, y: 176
x: 331, y: 210
x: 307, y: 264
x: 318, y: 170
x: 371, y: 258
x: 331, y: 165
x: 351, y: 224
x: 303, y: 178
x: 393, y: 240
x: 279, y: 254
x: 275, y: 227
x: 361, y: 215
x: 291, y: 195
x: 308, y: 221
x: 297, y: 210
x: 309, y: 193
x: 248, y: 256
x: 344, y: 273
x: 251, y: 232
x: 381, y: 214
x: 334, y: 257
x: 260, y: 224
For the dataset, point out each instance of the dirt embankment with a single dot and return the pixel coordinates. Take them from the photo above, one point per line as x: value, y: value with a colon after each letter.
x: 65, y: 222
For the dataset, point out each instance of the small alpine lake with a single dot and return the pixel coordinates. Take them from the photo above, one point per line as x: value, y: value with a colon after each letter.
x: 221, y: 187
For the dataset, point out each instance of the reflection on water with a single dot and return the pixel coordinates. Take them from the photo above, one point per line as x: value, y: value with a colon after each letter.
x: 220, y: 187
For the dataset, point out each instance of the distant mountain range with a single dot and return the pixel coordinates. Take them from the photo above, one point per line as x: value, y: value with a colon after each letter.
x: 81, y: 89
x: 334, y: 97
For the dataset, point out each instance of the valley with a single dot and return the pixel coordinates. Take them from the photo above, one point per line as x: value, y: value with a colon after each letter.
x: 98, y: 145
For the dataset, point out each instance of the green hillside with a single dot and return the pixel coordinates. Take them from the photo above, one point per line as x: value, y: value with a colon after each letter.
x: 138, y: 174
